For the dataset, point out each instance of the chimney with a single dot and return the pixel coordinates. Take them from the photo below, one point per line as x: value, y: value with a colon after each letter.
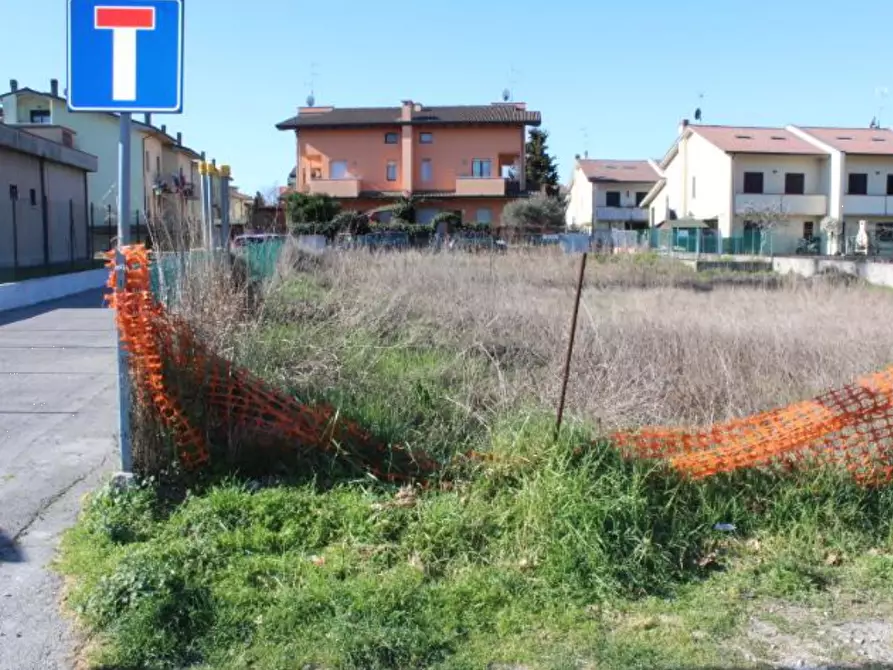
x: 147, y: 117
x: 179, y: 139
x: 406, y: 111
x: 576, y: 157
x: 203, y: 156
x: 13, y: 85
x: 164, y: 128
x: 682, y: 126
x: 586, y: 154
x: 54, y: 87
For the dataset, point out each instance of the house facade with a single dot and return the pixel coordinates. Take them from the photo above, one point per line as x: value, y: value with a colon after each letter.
x: 734, y: 179
x: 466, y: 159
x: 44, y: 199
x: 608, y: 193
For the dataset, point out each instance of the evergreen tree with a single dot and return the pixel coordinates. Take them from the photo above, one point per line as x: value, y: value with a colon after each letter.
x: 542, y: 173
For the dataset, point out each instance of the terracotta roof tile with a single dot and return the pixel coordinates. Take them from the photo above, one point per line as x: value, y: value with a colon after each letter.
x: 390, y: 116
x: 855, y: 140
x: 624, y: 171
x: 745, y: 140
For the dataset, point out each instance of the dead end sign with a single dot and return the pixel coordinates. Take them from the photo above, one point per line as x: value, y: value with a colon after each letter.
x: 125, y: 55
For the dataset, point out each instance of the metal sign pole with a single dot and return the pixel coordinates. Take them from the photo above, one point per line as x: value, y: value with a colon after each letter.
x: 123, y: 240
x: 224, y: 207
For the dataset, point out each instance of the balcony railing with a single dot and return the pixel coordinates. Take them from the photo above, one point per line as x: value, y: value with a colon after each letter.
x: 868, y: 205
x: 621, y: 214
x: 337, y: 188
x: 495, y: 186
x: 792, y: 204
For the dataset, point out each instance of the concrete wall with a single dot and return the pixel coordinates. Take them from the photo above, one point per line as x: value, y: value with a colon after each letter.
x: 35, y: 291
x: 880, y: 274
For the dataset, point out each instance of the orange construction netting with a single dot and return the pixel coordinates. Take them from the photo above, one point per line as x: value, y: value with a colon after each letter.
x: 207, y: 404
x: 850, y: 427
x: 205, y: 401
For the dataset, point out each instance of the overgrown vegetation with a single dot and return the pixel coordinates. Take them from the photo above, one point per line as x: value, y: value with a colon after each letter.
x: 522, y: 552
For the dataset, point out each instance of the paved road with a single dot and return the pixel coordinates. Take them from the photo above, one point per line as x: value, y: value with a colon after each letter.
x: 57, y: 440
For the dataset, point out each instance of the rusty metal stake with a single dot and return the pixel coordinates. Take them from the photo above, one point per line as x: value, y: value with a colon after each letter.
x: 570, y: 345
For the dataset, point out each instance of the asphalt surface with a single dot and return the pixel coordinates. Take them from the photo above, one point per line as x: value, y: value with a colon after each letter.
x: 58, y: 425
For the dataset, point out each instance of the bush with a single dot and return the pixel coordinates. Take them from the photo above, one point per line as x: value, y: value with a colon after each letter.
x: 309, y: 208
x: 352, y: 222
x: 538, y: 214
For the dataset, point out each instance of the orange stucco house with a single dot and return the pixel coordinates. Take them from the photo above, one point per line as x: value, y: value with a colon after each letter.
x: 468, y: 159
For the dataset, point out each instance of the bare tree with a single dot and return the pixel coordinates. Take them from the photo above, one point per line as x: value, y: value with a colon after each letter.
x: 271, y: 195
x: 765, y: 218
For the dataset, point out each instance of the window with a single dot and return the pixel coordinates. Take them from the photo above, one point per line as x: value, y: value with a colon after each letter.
x: 794, y: 183
x: 40, y: 116
x: 32, y: 196
x: 883, y: 232
x: 146, y: 162
x: 338, y: 170
x: 640, y: 196
x: 392, y: 170
x: 890, y: 184
x: 484, y: 215
x: 753, y: 182
x: 808, y: 229
x: 480, y: 167
x: 426, y: 138
x: 158, y: 165
x: 390, y: 138
x: 858, y: 183
x: 694, y: 188
x: 612, y: 199
x: 426, y: 169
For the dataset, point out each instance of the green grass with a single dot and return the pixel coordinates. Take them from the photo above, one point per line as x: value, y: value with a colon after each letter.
x: 546, y: 556
x: 543, y: 555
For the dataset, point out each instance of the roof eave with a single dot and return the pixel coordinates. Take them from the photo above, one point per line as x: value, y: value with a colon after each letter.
x: 653, y: 193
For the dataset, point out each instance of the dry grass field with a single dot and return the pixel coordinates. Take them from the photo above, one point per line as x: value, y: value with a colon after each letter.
x: 656, y: 342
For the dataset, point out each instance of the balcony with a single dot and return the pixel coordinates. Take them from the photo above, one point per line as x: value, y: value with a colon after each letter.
x: 621, y: 214
x: 337, y: 188
x: 481, y: 186
x: 796, y: 205
x: 868, y: 205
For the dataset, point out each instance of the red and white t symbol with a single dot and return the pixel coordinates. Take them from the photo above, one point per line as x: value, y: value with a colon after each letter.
x: 124, y: 22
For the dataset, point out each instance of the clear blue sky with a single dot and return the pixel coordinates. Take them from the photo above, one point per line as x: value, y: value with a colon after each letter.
x: 606, y: 78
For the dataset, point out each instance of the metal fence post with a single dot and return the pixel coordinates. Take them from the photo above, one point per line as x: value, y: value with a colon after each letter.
x: 45, y: 216
x: 71, y: 231
x: 15, y: 235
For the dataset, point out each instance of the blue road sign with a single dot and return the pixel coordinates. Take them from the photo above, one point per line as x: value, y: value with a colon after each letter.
x: 125, y: 55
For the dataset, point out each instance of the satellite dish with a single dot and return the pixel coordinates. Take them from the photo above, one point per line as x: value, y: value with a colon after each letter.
x: 311, y: 100
x: 506, y: 95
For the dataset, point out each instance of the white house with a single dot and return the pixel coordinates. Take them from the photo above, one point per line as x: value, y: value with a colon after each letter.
x: 730, y: 177
x: 607, y: 193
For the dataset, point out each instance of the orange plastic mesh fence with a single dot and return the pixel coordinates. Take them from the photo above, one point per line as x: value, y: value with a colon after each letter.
x: 850, y: 427
x: 206, y: 403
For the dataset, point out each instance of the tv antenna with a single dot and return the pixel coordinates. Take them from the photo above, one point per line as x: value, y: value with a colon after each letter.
x: 311, y: 84
x: 881, y: 93
x: 508, y: 93
x: 585, y: 133
x: 698, y: 110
